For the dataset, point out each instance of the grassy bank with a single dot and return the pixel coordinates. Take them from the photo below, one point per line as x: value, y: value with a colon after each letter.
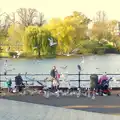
x: 31, y: 56
x: 4, y: 55
x: 7, y: 55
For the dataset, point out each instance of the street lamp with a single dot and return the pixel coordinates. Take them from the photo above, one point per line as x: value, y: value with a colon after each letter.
x: 79, y: 70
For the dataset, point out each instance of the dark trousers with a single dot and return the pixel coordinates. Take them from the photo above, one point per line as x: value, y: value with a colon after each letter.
x: 55, y: 88
x: 100, y: 87
x: 20, y: 87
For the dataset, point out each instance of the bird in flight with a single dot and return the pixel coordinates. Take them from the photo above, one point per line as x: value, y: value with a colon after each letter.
x: 82, y: 59
x: 64, y: 67
x: 51, y: 42
x: 79, y: 67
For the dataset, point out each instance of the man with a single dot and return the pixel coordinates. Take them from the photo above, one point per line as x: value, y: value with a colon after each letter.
x: 19, y: 82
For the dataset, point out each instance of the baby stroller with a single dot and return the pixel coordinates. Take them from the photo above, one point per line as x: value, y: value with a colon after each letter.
x: 103, y: 88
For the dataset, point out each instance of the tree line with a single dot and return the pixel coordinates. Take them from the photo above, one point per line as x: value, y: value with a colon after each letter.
x: 26, y: 30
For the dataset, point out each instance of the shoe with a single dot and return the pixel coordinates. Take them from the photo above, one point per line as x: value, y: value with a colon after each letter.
x: 118, y: 94
x: 105, y: 94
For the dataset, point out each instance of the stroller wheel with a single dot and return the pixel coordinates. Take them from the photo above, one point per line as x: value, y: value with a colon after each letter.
x: 109, y: 93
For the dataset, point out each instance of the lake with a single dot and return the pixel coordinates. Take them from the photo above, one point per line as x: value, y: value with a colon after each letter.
x: 109, y: 63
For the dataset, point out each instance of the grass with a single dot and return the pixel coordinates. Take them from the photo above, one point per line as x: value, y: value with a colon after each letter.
x: 4, y: 55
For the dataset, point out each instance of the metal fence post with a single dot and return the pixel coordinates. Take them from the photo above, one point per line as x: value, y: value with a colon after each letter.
x: 79, y: 69
x: 0, y: 83
x: 79, y: 78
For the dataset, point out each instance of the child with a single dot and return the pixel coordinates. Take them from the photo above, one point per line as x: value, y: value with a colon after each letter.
x: 9, y: 84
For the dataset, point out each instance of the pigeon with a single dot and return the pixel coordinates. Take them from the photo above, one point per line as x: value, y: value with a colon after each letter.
x: 51, y: 42
x: 64, y: 67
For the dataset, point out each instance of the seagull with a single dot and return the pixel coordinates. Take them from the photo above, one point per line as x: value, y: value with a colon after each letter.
x: 64, y: 67
x: 79, y: 67
x: 82, y: 59
x: 51, y: 42
x: 68, y: 54
x: 97, y: 68
x: 75, y: 50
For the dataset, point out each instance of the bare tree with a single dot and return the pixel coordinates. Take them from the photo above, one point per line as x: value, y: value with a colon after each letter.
x: 11, y: 18
x: 39, y: 21
x: 4, y: 24
x: 101, y: 16
x: 26, y: 16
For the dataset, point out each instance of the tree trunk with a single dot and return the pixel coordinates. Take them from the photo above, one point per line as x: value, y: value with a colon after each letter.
x: 39, y: 53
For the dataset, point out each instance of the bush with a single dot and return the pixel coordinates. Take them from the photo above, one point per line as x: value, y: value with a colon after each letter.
x: 12, y: 54
x: 27, y: 55
x: 4, y: 55
x: 23, y: 54
x: 100, y: 52
x: 110, y: 49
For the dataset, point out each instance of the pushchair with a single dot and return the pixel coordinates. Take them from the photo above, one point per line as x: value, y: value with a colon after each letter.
x: 103, y: 88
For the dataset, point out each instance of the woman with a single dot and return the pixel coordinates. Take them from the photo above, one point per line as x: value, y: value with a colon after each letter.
x: 55, y: 78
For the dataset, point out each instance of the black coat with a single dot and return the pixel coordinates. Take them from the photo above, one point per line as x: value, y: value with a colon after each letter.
x: 18, y: 80
x: 52, y: 73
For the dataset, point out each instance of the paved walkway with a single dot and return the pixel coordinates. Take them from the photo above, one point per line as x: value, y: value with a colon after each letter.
x: 108, y: 105
x: 14, y: 110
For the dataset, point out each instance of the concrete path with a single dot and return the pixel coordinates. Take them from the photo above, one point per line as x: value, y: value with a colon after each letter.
x: 108, y: 105
x: 14, y: 110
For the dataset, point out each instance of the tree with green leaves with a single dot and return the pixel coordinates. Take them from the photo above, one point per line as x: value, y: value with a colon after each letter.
x: 15, y: 39
x: 36, y: 39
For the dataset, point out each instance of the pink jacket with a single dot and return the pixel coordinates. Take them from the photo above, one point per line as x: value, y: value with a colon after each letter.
x: 102, y: 78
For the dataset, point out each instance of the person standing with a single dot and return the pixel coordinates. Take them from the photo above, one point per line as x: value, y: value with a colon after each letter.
x: 55, y: 78
x: 19, y: 82
x: 5, y: 67
x: 9, y: 84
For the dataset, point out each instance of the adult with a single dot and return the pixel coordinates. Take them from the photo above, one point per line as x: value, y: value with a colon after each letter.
x: 19, y: 82
x: 102, y: 78
x: 55, y: 78
x: 101, y: 81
